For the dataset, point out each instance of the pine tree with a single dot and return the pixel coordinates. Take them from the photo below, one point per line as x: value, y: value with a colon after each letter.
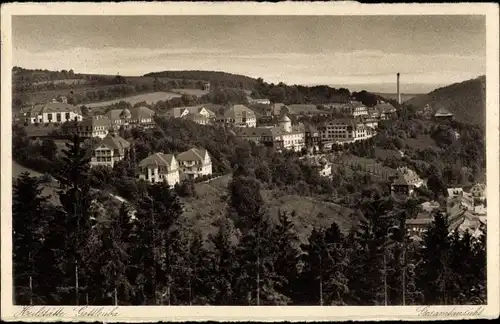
x: 113, y: 259
x: 325, y: 263
x: 28, y: 217
x: 434, y: 272
x: 257, y: 280
x: 335, y: 289
x: 368, y: 265
x: 223, y: 261
x: 286, y: 249
x: 312, y: 276
x: 76, y: 199
x: 155, y: 240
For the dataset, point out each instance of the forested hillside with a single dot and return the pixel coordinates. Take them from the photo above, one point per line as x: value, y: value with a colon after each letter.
x: 216, y: 78
x: 466, y: 100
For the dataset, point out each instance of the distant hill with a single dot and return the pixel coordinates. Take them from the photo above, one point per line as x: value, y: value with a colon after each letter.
x: 394, y: 96
x: 224, y: 79
x: 466, y: 100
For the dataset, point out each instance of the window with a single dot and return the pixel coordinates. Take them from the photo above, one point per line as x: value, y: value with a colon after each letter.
x: 49, y: 116
x: 58, y: 117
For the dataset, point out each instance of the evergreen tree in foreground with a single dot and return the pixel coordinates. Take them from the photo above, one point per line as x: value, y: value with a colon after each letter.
x: 28, y: 220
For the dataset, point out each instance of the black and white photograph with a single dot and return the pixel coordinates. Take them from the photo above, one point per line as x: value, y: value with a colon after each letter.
x: 249, y: 160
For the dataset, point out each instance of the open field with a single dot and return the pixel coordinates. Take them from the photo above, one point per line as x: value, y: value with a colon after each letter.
x: 311, y: 213
x: 203, y: 211
x: 149, y: 98
x: 369, y: 165
x: 47, y: 96
x: 47, y: 189
x: 191, y: 92
x: 381, y: 153
x: 305, y: 109
x: 17, y: 169
x: 421, y: 142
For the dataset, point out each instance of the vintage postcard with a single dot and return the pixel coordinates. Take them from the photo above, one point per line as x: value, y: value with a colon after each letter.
x: 249, y: 162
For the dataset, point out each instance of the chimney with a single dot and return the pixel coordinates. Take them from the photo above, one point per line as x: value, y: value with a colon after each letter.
x: 399, y: 94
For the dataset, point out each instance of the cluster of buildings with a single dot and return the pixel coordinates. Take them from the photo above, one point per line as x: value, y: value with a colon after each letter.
x: 281, y: 137
x: 465, y: 210
x: 100, y: 125
x: 56, y: 112
x: 190, y: 164
x: 157, y: 167
x: 51, y: 112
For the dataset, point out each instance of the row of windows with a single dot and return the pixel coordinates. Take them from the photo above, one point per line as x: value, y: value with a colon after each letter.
x: 192, y: 169
x: 58, y: 116
x: 103, y: 159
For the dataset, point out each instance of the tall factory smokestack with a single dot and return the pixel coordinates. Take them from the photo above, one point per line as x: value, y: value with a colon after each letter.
x: 399, y: 94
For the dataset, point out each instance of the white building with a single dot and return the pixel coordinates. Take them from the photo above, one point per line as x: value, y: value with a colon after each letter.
x: 159, y: 167
x: 359, y: 110
x: 97, y: 126
x: 345, y: 131
x: 478, y: 191
x: 199, y: 114
x: 284, y: 136
x: 239, y: 116
x: 134, y: 117
x: 293, y: 138
x: 109, y: 151
x: 194, y: 163
x: 258, y: 101
x: 52, y: 112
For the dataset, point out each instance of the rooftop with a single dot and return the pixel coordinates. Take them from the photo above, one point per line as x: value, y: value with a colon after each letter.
x: 114, y: 142
x: 194, y: 154
x: 157, y: 159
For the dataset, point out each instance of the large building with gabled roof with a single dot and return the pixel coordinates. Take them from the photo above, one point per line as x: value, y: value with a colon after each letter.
x: 405, y: 182
x: 160, y: 167
x: 194, y: 163
x: 239, y: 116
x: 52, y: 112
x: 109, y: 150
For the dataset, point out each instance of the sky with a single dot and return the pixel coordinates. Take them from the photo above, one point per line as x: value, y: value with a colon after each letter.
x: 335, y: 50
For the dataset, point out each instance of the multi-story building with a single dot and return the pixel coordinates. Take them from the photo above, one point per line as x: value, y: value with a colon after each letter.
x: 345, y: 130
x: 110, y: 150
x: 312, y: 137
x: 359, y: 110
x: 134, y: 117
x: 97, y: 126
x: 405, y: 183
x: 284, y: 136
x: 52, y: 112
x: 198, y: 114
x: 239, y: 116
x: 160, y: 167
x: 194, y: 163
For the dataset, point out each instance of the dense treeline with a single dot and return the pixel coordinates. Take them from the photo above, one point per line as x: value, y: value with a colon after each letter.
x: 146, y: 254
x: 466, y: 100
x: 225, y: 88
x: 215, y: 78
